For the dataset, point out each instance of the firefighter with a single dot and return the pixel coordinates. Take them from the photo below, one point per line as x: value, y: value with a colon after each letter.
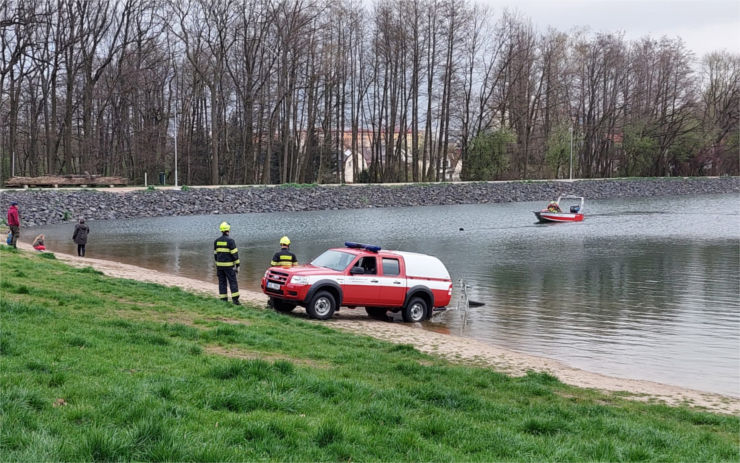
x: 226, y: 256
x: 284, y: 258
x: 553, y: 207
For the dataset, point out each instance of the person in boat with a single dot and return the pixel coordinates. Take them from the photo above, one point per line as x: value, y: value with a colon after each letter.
x: 553, y: 207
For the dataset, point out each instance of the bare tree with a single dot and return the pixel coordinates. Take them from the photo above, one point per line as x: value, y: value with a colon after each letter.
x: 720, y: 114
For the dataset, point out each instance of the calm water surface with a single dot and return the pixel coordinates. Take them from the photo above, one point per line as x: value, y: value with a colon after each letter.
x: 643, y: 288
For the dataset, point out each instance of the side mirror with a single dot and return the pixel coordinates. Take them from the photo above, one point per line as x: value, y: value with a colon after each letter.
x: 357, y: 271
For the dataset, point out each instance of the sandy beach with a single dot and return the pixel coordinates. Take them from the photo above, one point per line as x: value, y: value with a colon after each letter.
x: 451, y: 347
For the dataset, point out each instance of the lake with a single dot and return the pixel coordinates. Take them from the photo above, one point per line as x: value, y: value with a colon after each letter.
x: 643, y: 288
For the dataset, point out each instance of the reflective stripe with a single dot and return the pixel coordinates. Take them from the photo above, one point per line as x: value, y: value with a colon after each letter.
x: 234, y: 251
x: 236, y: 294
x: 290, y: 258
x: 225, y: 264
x: 221, y: 243
x: 274, y: 264
x: 236, y: 262
x: 223, y: 249
x: 284, y: 264
x: 223, y: 296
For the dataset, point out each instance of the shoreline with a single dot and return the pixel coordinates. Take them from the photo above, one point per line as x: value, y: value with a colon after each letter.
x: 45, y: 207
x: 448, y: 346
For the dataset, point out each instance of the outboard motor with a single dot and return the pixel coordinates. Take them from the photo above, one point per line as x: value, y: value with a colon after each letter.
x: 575, y: 209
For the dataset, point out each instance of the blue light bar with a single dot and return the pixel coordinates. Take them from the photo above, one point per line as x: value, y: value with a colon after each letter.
x: 367, y: 247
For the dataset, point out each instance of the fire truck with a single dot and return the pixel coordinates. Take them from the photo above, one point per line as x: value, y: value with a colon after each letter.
x: 361, y: 275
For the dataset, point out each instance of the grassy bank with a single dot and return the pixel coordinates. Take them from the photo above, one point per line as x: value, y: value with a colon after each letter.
x: 95, y: 368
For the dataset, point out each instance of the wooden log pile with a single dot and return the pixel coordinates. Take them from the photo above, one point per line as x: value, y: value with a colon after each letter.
x: 65, y: 180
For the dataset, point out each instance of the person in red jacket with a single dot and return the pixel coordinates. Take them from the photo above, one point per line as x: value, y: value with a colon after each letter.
x: 14, y: 222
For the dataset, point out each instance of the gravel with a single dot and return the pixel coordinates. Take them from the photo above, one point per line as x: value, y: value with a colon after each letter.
x: 41, y: 207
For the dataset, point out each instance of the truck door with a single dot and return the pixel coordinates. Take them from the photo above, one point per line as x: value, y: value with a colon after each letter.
x: 392, y: 282
x: 362, y: 288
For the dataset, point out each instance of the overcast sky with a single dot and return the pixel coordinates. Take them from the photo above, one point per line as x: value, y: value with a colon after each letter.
x: 703, y: 25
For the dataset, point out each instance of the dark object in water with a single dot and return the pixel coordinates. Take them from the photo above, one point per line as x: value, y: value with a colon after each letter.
x: 475, y: 303
x: 462, y: 229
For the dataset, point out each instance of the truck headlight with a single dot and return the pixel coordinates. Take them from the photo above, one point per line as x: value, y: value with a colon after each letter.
x: 299, y: 280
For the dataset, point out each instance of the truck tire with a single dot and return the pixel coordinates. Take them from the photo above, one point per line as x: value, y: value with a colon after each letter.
x: 415, y: 311
x: 322, y: 305
x: 282, y: 306
x: 378, y: 313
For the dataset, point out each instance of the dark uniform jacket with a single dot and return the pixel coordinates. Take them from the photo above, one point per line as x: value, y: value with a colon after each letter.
x: 284, y: 258
x: 225, y: 252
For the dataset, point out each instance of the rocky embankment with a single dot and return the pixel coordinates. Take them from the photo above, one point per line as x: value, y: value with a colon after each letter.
x: 41, y: 207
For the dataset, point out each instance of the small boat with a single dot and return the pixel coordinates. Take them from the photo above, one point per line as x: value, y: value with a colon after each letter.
x: 553, y: 213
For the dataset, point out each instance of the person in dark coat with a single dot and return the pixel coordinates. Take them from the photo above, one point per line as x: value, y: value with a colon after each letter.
x: 80, y: 236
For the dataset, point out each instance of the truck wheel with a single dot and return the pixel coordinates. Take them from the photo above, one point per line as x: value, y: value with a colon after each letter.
x: 322, y: 305
x: 378, y: 313
x: 415, y: 311
x: 282, y: 306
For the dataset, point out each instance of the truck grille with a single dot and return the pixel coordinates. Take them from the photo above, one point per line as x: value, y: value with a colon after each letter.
x: 277, y: 277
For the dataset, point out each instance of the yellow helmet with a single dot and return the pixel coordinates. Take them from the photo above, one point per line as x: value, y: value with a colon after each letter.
x: 224, y: 227
x: 284, y: 241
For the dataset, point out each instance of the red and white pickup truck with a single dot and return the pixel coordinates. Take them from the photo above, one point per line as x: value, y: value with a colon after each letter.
x: 360, y: 275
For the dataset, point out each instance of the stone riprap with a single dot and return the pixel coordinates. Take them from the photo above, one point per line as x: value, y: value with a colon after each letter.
x: 41, y: 207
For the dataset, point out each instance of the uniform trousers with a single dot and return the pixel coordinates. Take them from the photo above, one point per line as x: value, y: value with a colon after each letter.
x: 227, y: 274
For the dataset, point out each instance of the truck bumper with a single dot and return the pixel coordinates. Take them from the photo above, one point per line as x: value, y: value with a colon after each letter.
x: 287, y: 292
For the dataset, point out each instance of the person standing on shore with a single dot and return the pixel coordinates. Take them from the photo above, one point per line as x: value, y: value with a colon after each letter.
x: 226, y: 255
x: 14, y: 222
x: 284, y: 258
x: 80, y: 236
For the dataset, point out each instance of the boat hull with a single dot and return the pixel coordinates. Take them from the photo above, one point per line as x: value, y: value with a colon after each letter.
x: 546, y: 216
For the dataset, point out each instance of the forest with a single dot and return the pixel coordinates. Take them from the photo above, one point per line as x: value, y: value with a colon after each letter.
x: 340, y: 91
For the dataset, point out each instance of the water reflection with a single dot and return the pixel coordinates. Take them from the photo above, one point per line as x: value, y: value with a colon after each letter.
x: 642, y: 288
x: 644, y: 309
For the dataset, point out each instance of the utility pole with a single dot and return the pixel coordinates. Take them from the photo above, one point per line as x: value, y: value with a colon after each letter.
x: 571, y: 153
x: 176, y: 133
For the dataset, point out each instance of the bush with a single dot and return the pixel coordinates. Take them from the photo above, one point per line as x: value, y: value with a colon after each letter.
x: 488, y: 155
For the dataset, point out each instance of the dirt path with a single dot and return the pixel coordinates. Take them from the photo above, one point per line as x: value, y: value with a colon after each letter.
x: 451, y: 347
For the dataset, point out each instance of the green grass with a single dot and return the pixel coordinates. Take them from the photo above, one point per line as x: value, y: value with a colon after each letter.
x: 102, y: 369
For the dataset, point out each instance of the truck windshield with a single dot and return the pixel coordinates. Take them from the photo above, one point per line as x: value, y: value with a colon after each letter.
x: 335, y: 260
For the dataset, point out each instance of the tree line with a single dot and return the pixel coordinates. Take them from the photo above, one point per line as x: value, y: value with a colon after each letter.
x: 303, y: 91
